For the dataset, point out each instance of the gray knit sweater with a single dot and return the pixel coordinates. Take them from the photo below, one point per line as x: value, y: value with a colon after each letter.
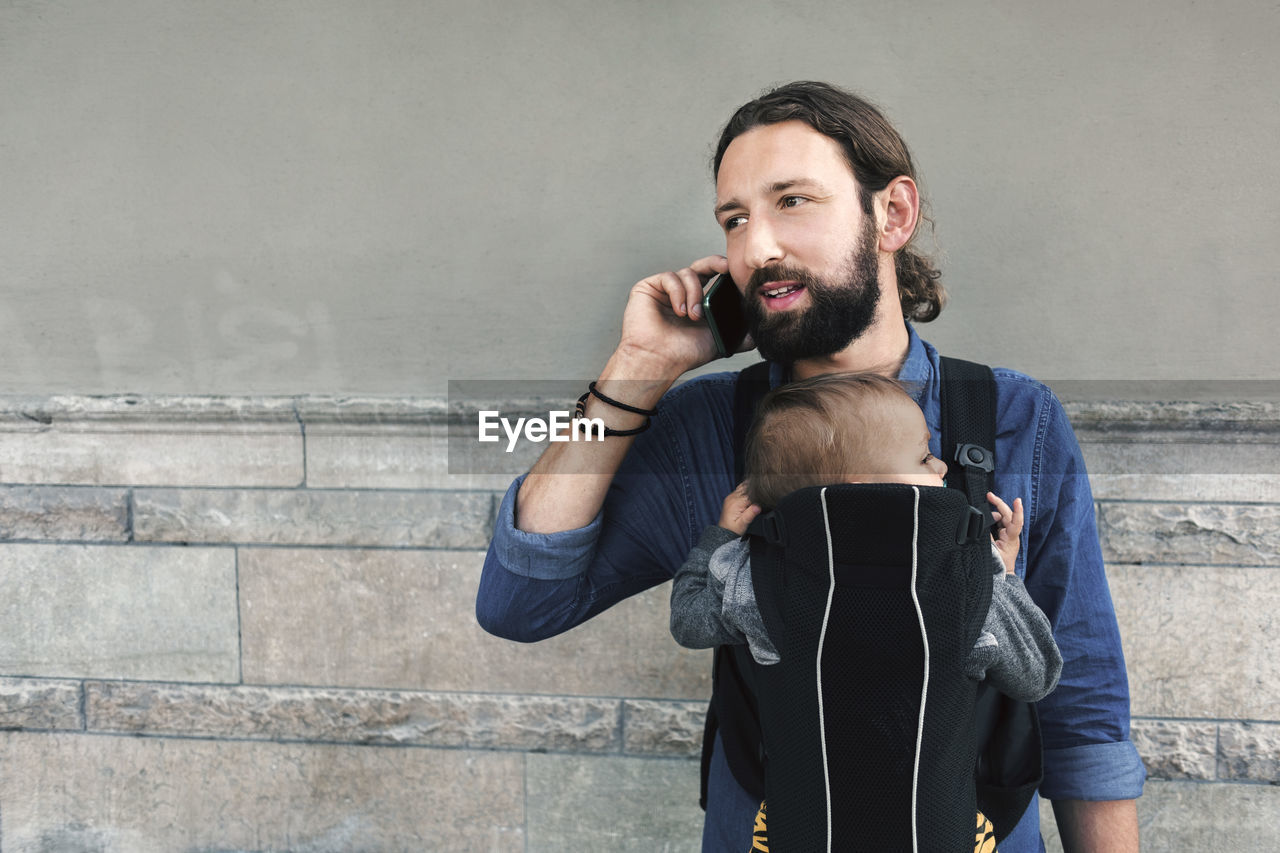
x: 714, y: 604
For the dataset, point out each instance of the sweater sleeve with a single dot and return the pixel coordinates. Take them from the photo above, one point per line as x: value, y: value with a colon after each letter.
x: 697, y: 597
x: 731, y: 569
x: 1016, y: 652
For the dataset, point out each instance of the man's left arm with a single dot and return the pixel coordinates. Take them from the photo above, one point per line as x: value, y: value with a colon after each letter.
x: 1106, y: 826
x: 1092, y: 772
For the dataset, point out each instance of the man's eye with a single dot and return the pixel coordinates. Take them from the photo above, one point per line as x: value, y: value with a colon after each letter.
x: 733, y: 222
x: 793, y: 200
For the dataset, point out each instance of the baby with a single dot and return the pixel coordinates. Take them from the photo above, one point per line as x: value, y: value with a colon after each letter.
x: 851, y: 428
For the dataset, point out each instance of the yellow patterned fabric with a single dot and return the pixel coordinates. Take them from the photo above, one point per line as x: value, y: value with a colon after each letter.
x: 984, y: 841
x: 760, y: 838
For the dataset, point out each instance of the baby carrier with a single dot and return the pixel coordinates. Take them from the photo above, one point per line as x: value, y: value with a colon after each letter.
x: 874, y: 595
x: 883, y: 577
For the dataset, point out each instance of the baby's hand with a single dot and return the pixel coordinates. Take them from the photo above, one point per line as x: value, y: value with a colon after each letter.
x: 738, y: 510
x: 1007, y: 537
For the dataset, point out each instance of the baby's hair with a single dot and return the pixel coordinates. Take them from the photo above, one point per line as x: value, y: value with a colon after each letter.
x: 813, y: 432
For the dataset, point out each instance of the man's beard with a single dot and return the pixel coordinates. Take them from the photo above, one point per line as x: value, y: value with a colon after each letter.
x: 838, y: 314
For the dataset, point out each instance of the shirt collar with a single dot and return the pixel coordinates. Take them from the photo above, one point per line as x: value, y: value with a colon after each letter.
x: 920, y: 375
x: 917, y: 371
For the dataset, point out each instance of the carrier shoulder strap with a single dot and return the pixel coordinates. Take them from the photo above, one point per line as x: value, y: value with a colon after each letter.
x: 732, y: 711
x: 752, y: 385
x: 968, y: 427
x: 1010, y: 760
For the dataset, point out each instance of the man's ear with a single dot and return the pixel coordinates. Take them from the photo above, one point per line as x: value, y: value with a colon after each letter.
x: 901, y: 204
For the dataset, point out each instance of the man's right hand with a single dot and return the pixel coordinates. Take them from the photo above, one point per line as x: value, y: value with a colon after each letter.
x: 663, y: 323
x: 662, y: 338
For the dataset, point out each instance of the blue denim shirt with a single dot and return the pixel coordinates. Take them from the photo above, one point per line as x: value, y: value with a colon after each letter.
x: 671, y: 485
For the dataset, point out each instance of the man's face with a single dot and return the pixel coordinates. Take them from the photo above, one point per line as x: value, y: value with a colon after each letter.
x: 798, y: 242
x: 840, y: 309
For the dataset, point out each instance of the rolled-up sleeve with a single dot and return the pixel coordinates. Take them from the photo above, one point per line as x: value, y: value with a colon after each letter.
x: 1094, y: 771
x: 537, y: 585
x: 544, y: 556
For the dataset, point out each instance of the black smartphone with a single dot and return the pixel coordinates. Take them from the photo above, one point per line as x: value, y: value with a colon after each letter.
x: 722, y: 306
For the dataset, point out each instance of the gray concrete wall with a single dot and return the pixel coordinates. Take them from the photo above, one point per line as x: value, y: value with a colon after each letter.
x: 248, y: 624
x: 244, y: 622
x: 330, y: 196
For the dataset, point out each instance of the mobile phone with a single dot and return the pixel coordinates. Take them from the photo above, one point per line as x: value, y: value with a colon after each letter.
x: 722, y: 306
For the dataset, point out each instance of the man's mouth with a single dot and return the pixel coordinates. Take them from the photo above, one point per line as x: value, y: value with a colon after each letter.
x: 775, y: 292
x: 780, y: 294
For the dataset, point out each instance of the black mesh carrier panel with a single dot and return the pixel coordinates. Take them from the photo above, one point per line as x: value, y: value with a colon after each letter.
x: 851, y: 763
x: 1008, y: 768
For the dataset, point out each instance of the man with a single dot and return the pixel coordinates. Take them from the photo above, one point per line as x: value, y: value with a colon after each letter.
x: 816, y: 195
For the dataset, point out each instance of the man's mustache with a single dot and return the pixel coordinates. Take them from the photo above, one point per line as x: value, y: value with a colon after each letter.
x: 778, y: 272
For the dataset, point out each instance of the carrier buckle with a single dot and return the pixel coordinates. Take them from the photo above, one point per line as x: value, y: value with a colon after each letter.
x: 973, y: 525
x: 975, y: 456
x: 770, y: 526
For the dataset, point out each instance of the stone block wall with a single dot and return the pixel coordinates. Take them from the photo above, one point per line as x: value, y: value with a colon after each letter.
x: 247, y: 624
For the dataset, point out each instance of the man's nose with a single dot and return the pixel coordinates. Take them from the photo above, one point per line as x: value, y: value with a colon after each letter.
x: 762, y: 246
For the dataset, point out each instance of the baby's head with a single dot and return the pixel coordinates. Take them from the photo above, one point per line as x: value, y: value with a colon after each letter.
x: 837, y: 428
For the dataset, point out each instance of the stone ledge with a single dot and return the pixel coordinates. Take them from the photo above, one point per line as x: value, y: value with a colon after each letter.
x: 60, y: 513
x: 563, y: 723
x: 176, y: 446
x: 417, y: 455
x: 1208, y: 534
x: 1171, y: 750
x: 1177, y: 750
x: 653, y: 727
x: 1113, y: 414
x: 33, y: 703
x: 1117, y: 416
x: 407, y: 442
x: 35, y: 412
x: 1197, y: 487
x: 314, y: 517
x: 1249, y: 752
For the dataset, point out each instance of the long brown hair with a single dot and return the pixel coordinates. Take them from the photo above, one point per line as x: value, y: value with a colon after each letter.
x: 875, y: 152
